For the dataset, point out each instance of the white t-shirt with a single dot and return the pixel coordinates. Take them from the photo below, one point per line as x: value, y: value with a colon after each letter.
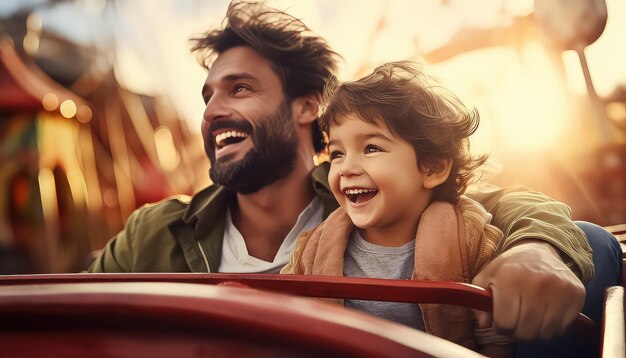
x: 235, y: 257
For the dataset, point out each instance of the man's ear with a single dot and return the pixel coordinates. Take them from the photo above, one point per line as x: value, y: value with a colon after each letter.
x: 305, y: 108
x: 434, y: 178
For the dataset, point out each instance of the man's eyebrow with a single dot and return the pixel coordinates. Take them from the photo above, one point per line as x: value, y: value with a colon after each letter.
x: 240, y: 76
x: 206, y: 89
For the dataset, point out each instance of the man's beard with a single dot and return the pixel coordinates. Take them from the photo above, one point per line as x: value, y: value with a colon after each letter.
x: 272, y: 157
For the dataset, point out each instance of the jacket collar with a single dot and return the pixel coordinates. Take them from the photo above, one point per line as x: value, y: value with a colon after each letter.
x: 319, y: 180
x: 201, y: 232
x: 206, y: 217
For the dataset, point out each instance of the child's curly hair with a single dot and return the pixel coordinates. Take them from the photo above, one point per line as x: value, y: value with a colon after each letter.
x: 430, y: 118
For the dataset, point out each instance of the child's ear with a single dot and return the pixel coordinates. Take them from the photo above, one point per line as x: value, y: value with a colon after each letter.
x: 434, y: 178
x: 305, y: 108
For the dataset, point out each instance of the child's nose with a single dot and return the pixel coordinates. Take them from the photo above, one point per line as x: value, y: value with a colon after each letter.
x: 350, y: 167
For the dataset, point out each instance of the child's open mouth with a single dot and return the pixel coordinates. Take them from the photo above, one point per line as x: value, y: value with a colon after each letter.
x: 359, y: 196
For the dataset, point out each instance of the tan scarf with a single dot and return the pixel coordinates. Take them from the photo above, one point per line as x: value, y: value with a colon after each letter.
x: 453, y: 243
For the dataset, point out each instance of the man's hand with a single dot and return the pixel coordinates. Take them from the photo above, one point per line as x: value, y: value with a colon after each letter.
x: 535, y: 295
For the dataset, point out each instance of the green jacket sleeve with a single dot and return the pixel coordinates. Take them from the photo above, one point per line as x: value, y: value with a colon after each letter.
x: 522, y: 214
x: 117, y: 256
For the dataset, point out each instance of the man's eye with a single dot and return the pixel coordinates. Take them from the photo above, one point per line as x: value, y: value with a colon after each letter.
x: 335, y: 154
x: 372, y: 149
x: 240, y: 88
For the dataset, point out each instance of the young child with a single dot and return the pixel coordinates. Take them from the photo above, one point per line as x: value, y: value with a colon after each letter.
x: 399, y: 164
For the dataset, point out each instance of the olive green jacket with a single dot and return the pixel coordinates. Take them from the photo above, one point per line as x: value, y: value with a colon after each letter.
x: 182, y: 234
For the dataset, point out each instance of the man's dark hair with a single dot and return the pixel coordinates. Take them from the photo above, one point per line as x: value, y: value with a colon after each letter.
x: 428, y: 117
x: 302, y: 60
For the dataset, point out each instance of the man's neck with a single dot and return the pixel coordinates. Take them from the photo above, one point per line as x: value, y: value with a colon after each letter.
x: 265, y: 218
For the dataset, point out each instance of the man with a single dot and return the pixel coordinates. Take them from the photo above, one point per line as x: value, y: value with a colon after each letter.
x: 266, y: 73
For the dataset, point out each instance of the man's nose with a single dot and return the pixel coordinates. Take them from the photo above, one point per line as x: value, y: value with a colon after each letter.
x: 350, y: 166
x: 216, y: 108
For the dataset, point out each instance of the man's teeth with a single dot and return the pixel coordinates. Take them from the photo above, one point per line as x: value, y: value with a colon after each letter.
x: 219, y: 139
x: 358, y: 191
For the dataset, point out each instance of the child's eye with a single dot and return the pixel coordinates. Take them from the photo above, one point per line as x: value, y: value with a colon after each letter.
x: 372, y: 149
x: 335, y: 154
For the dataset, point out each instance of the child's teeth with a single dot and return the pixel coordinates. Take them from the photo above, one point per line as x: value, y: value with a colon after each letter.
x: 358, y: 191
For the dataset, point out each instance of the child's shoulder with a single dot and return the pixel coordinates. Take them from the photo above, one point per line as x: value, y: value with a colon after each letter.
x: 472, y: 212
x: 481, y: 237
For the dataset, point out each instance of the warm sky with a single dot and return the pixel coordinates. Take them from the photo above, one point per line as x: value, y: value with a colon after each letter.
x: 515, y: 90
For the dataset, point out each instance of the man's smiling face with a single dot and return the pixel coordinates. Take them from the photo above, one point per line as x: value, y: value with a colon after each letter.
x: 248, y: 129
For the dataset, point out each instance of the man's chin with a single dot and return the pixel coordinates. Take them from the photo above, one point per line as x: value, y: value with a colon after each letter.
x: 230, y: 171
x: 225, y: 159
x: 238, y: 182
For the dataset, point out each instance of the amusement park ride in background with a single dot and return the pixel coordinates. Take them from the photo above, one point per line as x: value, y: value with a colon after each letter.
x: 78, y: 152
x: 593, y: 183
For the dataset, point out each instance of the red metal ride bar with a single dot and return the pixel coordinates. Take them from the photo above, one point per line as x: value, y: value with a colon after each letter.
x: 451, y: 293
